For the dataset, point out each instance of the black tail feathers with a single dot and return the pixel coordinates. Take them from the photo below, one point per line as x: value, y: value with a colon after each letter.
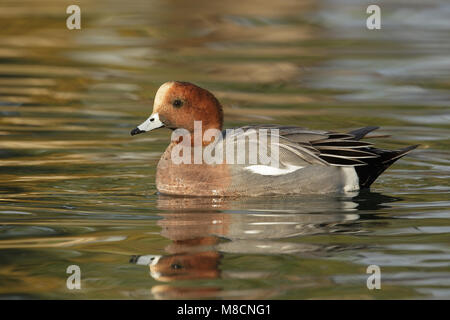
x: 369, y: 173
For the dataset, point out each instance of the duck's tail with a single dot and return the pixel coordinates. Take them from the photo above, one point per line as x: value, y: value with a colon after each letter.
x: 369, y: 173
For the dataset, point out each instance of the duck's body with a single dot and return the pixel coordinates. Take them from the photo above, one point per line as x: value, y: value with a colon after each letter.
x: 308, y: 161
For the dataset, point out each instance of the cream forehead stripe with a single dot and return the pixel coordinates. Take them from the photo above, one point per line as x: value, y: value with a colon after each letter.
x: 160, y: 94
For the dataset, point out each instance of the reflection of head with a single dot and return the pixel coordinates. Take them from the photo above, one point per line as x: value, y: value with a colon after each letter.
x: 200, y: 265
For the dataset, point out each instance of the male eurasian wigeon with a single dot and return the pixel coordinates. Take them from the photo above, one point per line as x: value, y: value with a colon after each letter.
x: 308, y: 161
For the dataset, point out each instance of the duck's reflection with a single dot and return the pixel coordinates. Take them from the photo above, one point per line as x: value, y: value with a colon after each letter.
x: 203, y: 230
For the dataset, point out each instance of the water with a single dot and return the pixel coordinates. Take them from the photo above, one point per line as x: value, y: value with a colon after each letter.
x: 76, y: 189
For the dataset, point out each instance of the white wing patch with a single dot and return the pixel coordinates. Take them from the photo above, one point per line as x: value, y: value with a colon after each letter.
x: 272, y: 171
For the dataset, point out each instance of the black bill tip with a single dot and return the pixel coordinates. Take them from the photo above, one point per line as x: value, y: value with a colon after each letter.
x: 134, y: 259
x: 136, y: 131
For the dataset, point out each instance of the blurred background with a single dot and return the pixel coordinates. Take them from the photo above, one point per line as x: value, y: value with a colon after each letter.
x: 75, y: 188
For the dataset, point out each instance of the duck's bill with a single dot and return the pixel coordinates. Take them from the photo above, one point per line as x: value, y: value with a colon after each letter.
x: 148, y: 260
x: 150, y: 124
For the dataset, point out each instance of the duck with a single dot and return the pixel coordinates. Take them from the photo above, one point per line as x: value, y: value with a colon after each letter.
x: 304, y: 161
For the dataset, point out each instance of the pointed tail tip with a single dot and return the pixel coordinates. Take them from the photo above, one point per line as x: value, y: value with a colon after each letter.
x: 402, y: 152
x: 408, y: 149
x: 368, y: 174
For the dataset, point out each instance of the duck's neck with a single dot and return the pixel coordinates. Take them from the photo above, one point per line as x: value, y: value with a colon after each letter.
x: 210, y: 125
x: 204, y: 135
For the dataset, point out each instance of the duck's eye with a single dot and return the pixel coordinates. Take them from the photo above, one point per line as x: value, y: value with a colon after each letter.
x: 177, y: 103
x: 176, y: 266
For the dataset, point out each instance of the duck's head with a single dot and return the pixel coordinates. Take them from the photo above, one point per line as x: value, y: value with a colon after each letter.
x: 179, y: 104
